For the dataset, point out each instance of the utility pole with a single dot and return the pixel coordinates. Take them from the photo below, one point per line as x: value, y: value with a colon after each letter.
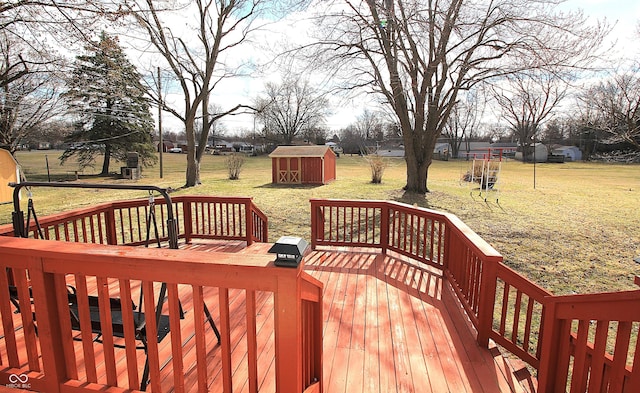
x: 161, y: 149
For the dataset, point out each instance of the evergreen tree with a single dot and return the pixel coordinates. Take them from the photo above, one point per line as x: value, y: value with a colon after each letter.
x: 112, y: 108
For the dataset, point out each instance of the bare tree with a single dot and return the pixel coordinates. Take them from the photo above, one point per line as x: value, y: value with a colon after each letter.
x: 527, y: 100
x: 194, y: 53
x: 463, y: 122
x: 290, y: 108
x: 47, y: 25
x: 77, y: 16
x: 556, y: 131
x: 29, y: 92
x: 420, y: 54
x: 351, y: 141
x: 499, y: 133
x: 369, y: 124
x: 613, y: 108
x: 315, y: 135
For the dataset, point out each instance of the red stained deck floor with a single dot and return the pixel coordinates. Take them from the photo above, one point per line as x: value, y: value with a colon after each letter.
x: 392, y: 325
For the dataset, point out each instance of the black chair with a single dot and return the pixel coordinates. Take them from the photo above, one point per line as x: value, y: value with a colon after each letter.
x: 15, y: 300
x: 13, y: 297
x: 115, y: 306
x: 117, y: 326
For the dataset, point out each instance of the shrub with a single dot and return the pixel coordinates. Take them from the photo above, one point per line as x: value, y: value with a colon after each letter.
x: 377, y: 165
x: 234, y: 165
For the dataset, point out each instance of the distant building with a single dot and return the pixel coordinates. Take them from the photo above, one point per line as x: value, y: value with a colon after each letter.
x: 303, y: 165
x: 538, y: 153
x: 481, y: 150
x: 166, y: 145
x: 570, y: 153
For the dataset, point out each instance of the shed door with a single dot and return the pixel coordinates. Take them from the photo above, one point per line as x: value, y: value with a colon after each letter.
x: 289, y: 170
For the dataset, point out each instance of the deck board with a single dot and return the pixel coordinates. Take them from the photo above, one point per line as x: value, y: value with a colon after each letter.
x: 390, y: 325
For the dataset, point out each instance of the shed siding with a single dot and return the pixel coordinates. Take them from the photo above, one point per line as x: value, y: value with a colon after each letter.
x: 329, y: 167
x: 312, y: 170
x: 274, y: 170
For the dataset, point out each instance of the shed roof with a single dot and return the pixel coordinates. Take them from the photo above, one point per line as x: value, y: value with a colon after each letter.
x: 300, y: 151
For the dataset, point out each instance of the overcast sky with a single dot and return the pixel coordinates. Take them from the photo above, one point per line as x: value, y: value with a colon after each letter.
x: 623, y: 15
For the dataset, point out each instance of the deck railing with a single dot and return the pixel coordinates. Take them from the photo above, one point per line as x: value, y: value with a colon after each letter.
x: 503, y: 306
x: 418, y: 234
x: 551, y: 333
x: 226, y: 218
x: 591, y: 343
x: 228, y: 286
x: 130, y: 222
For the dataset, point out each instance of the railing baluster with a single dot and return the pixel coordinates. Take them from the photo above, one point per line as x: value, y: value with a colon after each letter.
x: 252, y: 345
x: 129, y: 332
x: 225, y: 328
x: 599, y: 350
x: 153, y: 356
x: 176, y: 337
x: 201, y: 349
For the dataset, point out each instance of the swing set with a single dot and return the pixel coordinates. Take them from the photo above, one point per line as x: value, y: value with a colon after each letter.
x: 485, y: 171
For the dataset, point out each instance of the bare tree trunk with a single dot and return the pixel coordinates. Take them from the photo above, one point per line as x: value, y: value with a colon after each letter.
x: 193, y: 171
x: 418, y: 156
x: 107, y: 159
x: 193, y: 164
x: 416, y: 175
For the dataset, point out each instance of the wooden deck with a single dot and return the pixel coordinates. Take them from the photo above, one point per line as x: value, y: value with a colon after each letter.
x: 393, y: 326
x: 390, y: 325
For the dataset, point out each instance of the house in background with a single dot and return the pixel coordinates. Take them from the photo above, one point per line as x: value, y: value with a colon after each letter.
x: 303, y: 165
x: 166, y: 146
x: 442, y: 151
x: 570, y: 153
x: 537, y: 153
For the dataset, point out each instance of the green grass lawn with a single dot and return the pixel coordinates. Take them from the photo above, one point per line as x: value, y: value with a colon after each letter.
x: 577, y: 231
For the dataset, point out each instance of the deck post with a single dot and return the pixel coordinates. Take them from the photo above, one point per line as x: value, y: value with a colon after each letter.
x: 110, y: 220
x: 188, y: 220
x: 288, y: 331
x: 488, y: 284
x: 316, y: 229
x: 384, y: 227
x: 550, y: 341
x: 448, y: 250
x: 54, y: 347
x: 248, y: 211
